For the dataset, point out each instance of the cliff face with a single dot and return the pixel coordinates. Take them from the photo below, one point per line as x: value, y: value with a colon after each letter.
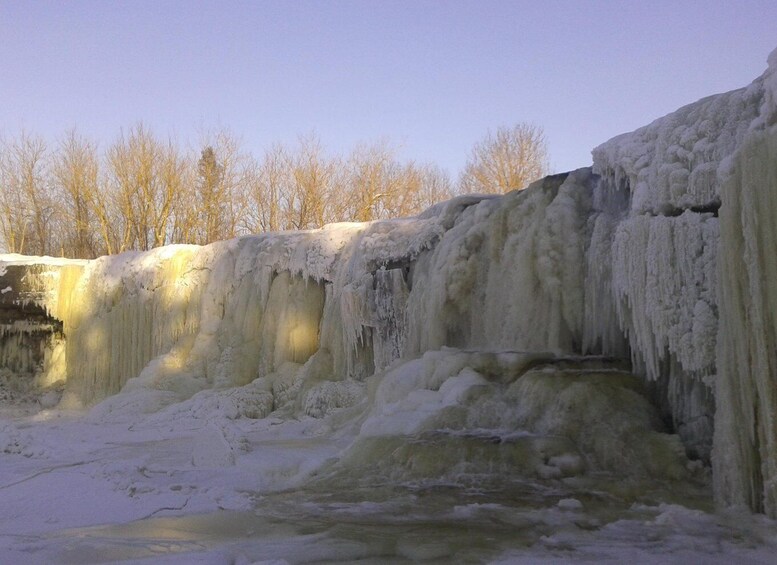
x: 661, y: 255
x: 32, y: 346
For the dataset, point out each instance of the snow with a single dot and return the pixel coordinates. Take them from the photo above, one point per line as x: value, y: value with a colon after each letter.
x: 675, y: 161
x: 17, y: 259
x: 468, y: 474
x: 528, y: 377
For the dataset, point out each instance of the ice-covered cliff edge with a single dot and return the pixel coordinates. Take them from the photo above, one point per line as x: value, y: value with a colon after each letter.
x: 662, y: 255
x: 694, y: 292
x: 343, y: 302
x: 306, y: 324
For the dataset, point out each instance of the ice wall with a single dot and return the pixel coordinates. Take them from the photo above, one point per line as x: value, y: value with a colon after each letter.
x: 694, y: 293
x: 746, y: 423
x: 339, y: 303
x: 506, y: 265
x: 650, y: 294
x: 653, y: 256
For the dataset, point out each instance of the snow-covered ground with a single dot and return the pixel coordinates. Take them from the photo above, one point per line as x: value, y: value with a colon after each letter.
x: 387, y: 481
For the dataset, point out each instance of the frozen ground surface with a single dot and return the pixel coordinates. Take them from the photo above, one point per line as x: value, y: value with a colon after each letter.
x: 183, y: 486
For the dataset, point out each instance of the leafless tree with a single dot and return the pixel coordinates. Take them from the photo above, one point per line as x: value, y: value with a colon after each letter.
x: 380, y: 186
x: 422, y: 186
x: 506, y: 160
x: 28, y: 210
x: 143, y: 192
x: 313, y: 176
x: 266, y: 184
x: 374, y: 180
x: 145, y: 180
x: 74, y: 178
x: 174, y: 179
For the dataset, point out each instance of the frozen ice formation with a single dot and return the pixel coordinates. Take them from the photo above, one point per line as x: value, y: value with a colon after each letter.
x: 522, y: 319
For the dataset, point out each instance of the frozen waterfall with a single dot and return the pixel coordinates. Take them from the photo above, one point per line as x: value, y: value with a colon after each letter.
x: 619, y: 319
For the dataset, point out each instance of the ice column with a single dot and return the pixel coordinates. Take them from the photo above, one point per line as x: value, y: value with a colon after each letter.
x: 745, y: 448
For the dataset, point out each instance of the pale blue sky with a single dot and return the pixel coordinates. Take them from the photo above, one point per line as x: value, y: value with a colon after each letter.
x: 431, y: 76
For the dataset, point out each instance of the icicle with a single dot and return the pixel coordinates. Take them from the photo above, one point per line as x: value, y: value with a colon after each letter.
x: 664, y: 284
x: 390, y: 303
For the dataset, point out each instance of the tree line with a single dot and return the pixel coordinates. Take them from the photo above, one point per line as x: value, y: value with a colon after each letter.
x: 142, y: 191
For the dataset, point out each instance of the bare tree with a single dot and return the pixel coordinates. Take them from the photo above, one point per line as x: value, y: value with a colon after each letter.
x: 266, y: 184
x: 104, y: 203
x: 421, y: 186
x: 507, y: 160
x: 74, y: 175
x: 145, y: 180
x: 379, y: 186
x: 142, y: 192
x: 12, y: 217
x: 186, y: 217
x: 28, y: 211
x: 436, y: 186
x: 131, y: 164
x: 313, y: 176
x: 174, y: 178
x: 374, y: 179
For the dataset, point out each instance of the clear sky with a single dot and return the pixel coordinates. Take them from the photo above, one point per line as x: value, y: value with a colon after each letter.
x: 432, y: 77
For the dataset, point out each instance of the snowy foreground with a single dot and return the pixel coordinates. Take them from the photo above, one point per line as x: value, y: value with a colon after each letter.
x: 191, y: 485
x: 581, y: 371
